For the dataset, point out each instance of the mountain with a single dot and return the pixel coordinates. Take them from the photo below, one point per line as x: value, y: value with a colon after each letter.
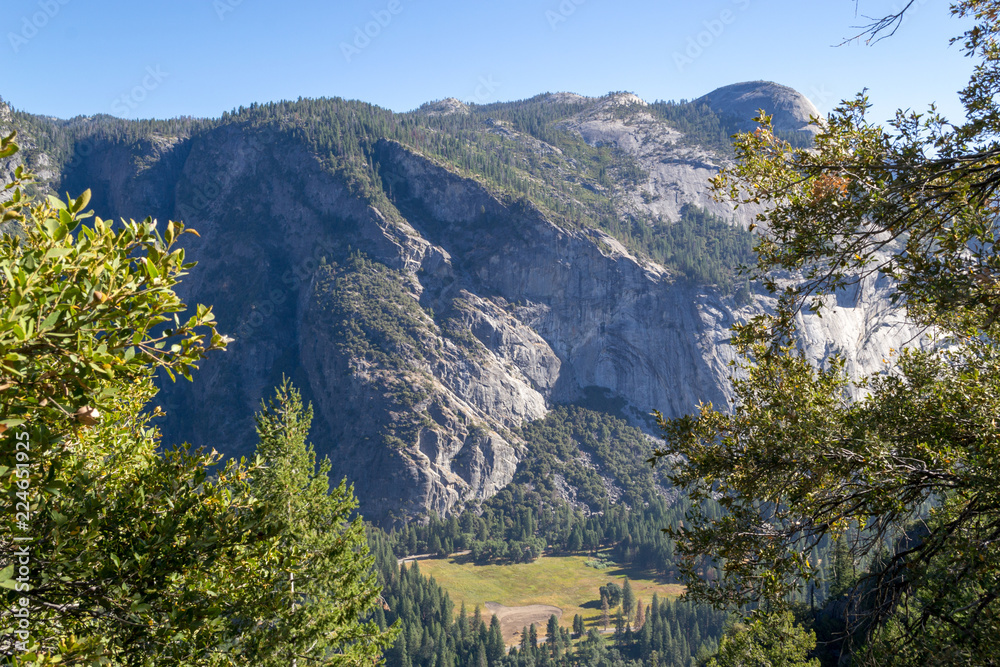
x: 434, y: 280
x: 790, y: 109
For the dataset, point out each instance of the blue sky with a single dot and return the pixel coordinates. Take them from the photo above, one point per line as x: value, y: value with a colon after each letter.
x: 163, y: 58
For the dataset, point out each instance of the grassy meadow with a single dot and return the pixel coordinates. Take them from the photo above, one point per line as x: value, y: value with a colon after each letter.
x: 563, y: 581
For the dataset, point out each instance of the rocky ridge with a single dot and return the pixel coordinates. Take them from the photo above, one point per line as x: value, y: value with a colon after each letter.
x: 790, y: 109
x: 426, y: 323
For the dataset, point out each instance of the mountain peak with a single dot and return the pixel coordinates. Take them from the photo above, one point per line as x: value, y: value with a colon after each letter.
x: 567, y: 98
x: 621, y: 99
x: 445, y: 107
x: 791, y: 109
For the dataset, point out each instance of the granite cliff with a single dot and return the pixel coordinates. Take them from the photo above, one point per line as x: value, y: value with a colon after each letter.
x: 434, y: 280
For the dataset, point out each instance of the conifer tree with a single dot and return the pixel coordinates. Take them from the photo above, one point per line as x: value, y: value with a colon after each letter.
x: 552, y: 635
x: 495, y: 647
x: 628, y: 599
x: 463, y: 622
x: 578, y: 625
x: 843, y: 568
x: 329, y: 586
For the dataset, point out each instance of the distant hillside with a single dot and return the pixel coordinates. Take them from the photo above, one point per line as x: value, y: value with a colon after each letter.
x: 436, y: 280
x: 791, y: 110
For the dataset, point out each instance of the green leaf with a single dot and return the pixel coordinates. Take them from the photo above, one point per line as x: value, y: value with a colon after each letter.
x: 55, y: 202
x: 81, y: 202
x: 151, y: 269
x: 51, y: 226
x: 50, y: 321
x: 7, y: 577
x: 52, y: 253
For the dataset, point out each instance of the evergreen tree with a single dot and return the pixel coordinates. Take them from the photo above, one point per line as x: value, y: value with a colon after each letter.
x: 628, y: 599
x: 843, y: 568
x: 399, y: 654
x: 605, y: 619
x: 463, y: 623
x: 329, y: 587
x: 495, y: 647
x: 911, y: 205
x: 153, y: 554
x: 552, y: 635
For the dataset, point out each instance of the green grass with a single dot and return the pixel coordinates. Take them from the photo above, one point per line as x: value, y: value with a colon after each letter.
x: 562, y: 581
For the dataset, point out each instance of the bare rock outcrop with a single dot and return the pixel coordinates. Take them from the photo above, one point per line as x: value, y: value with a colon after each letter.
x: 791, y: 110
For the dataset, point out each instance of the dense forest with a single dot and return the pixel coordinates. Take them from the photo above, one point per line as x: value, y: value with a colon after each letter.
x: 808, y: 524
x: 573, y: 183
x: 434, y: 633
x: 618, y: 512
x: 585, y: 485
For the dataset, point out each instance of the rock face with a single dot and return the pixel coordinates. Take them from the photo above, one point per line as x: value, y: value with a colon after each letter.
x: 428, y: 323
x: 677, y: 172
x: 444, y: 107
x: 790, y: 109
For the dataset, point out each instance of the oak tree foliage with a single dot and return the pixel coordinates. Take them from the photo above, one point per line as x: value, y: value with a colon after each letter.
x: 121, y: 551
x: 908, y: 475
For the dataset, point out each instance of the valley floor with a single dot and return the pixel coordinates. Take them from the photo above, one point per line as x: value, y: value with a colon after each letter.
x: 525, y: 593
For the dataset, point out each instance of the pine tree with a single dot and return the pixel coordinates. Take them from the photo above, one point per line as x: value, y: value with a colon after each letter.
x: 495, y: 648
x: 628, y: 599
x: 399, y: 654
x: 329, y: 584
x: 843, y: 568
x: 463, y: 622
x: 640, y: 618
x: 552, y: 635
x: 605, y: 619
x: 477, y: 620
